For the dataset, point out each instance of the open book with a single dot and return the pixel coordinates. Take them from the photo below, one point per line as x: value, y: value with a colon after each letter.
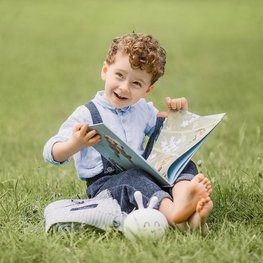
x: 182, y: 134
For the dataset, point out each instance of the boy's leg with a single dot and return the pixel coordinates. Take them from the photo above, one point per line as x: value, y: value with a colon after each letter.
x: 123, y: 186
x: 186, y: 195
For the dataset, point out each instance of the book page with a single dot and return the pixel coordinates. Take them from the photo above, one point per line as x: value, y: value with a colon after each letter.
x: 121, y: 155
x: 182, y: 130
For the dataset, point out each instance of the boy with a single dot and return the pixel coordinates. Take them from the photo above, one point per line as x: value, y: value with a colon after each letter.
x: 133, y: 65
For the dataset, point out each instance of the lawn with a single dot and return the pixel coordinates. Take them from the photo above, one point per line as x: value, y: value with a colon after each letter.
x: 50, y: 61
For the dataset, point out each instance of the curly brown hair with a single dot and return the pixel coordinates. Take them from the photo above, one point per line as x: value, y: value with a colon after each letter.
x: 144, y: 52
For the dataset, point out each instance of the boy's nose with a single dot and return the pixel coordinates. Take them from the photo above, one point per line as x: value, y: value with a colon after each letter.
x: 124, y: 87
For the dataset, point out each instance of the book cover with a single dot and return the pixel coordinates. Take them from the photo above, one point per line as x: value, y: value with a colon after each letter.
x: 182, y: 134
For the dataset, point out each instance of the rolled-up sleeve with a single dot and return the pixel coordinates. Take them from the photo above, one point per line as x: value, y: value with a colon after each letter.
x: 65, y: 133
x: 47, y: 152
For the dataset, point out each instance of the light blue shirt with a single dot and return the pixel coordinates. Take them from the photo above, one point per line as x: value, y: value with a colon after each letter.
x: 131, y: 124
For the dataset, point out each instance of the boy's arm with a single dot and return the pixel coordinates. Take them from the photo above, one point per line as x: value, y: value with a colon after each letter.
x: 81, y: 137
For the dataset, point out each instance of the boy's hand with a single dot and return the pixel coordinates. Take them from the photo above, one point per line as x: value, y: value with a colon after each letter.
x: 83, y: 137
x: 174, y: 104
x: 177, y: 104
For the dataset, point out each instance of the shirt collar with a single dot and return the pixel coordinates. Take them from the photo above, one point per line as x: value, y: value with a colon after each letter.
x: 105, y: 104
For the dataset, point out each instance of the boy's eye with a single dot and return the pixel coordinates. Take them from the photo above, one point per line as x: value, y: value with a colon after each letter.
x: 119, y: 75
x: 137, y: 83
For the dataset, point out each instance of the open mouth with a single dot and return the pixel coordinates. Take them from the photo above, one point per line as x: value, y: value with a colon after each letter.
x: 120, y: 97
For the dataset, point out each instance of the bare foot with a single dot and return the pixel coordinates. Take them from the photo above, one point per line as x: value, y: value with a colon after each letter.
x: 186, y: 195
x: 198, y: 220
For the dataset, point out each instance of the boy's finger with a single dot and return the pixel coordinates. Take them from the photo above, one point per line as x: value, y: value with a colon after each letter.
x: 177, y: 105
x: 95, y: 139
x: 77, y: 127
x: 90, y: 134
x: 168, y: 102
x: 184, y: 104
x: 84, y: 129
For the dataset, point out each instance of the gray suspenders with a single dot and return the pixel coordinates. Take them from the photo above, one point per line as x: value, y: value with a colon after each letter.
x: 108, y: 168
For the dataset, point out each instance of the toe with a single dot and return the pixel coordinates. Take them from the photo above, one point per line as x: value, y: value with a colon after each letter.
x: 200, y: 204
x: 209, y: 190
x: 198, y: 178
x: 205, y: 181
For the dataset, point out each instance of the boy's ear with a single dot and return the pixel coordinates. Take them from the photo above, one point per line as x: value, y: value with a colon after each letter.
x: 104, y: 70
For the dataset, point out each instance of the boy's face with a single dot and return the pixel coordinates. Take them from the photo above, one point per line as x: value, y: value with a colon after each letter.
x: 124, y: 86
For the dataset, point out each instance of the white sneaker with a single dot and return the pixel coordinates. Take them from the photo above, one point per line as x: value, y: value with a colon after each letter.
x: 102, y: 212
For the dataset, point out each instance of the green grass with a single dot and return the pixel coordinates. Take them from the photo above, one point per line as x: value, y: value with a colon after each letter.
x: 51, y: 54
